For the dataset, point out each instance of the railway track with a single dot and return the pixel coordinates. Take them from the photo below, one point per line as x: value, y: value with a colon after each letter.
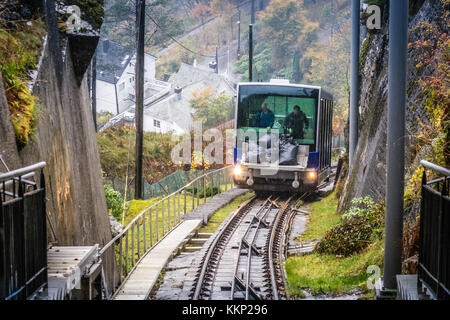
x: 245, y: 259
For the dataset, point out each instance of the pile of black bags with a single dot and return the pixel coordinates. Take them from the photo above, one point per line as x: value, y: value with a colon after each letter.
x: 288, y: 152
x: 261, y: 153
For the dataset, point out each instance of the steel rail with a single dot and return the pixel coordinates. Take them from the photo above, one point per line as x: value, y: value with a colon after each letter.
x: 274, y: 232
x: 249, y: 253
x: 233, y: 283
x: 237, y: 216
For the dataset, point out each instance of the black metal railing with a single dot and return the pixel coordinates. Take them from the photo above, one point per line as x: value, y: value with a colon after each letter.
x: 23, y: 237
x: 434, y: 250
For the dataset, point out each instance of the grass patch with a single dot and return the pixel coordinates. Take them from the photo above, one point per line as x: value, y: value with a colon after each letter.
x: 327, y: 274
x: 220, y: 215
x: 322, y: 217
x: 323, y: 273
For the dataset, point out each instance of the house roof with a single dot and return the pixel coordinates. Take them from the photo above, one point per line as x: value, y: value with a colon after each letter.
x: 176, y: 108
x: 188, y: 75
x: 113, y: 59
x: 173, y: 109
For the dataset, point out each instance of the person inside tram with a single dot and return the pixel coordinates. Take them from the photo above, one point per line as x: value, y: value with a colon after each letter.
x: 265, y: 118
x: 296, y: 122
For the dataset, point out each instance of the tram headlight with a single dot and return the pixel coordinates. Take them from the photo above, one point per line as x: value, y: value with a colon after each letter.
x: 312, y: 175
x: 238, y: 170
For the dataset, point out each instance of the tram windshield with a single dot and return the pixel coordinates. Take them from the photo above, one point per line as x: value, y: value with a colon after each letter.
x: 271, y: 107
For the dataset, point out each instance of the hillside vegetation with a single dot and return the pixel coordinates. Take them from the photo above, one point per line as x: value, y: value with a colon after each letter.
x: 20, y: 48
x: 117, y: 153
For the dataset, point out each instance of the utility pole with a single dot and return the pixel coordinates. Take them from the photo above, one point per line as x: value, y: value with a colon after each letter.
x: 228, y: 62
x: 354, y: 91
x: 116, y: 79
x: 253, y: 12
x: 398, y: 48
x: 250, y: 53
x: 231, y: 27
x: 239, y: 35
x: 140, y: 30
x: 94, y: 90
x: 217, y: 60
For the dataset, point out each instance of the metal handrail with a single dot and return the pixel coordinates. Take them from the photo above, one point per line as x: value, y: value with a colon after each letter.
x: 433, y: 267
x: 122, y: 246
x: 435, y: 167
x: 11, y: 181
x: 25, y: 249
x: 139, y: 216
x: 22, y: 171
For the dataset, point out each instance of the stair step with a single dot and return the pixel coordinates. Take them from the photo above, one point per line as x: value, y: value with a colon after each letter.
x: 198, y: 240
x: 204, y: 235
x: 192, y: 249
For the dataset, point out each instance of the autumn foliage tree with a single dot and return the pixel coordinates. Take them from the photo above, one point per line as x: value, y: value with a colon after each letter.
x: 210, y: 108
x: 330, y: 69
x: 433, y: 53
x: 201, y: 11
x: 281, y: 24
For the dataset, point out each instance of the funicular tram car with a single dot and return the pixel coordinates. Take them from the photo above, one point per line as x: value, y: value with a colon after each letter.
x: 313, y: 165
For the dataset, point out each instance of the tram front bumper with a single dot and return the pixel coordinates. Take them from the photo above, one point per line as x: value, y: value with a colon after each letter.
x: 275, y: 178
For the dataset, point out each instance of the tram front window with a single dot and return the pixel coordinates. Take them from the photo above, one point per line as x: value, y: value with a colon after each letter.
x: 289, y: 110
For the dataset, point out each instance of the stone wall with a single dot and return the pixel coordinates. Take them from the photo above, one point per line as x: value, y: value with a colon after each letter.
x: 368, y: 174
x: 65, y: 138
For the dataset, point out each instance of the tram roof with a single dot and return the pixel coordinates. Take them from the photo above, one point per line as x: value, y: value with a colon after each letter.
x: 324, y: 93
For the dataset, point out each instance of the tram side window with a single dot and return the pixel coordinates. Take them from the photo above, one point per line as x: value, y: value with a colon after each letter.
x: 301, y: 123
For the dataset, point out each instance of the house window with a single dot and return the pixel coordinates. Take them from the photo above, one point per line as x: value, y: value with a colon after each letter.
x: 121, y: 86
x: 156, y: 123
x: 131, y: 79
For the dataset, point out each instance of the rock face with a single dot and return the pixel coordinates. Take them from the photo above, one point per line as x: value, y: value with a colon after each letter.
x: 368, y: 174
x: 65, y: 138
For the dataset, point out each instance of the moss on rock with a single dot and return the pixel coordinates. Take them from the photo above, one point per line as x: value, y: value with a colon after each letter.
x: 19, y: 52
x: 365, y: 50
x: 91, y: 11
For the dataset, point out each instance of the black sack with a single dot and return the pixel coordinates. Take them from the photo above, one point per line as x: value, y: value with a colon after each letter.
x: 253, y: 152
x: 288, y: 152
x: 265, y: 141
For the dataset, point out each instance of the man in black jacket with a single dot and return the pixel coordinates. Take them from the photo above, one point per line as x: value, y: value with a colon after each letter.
x: 295, y: 123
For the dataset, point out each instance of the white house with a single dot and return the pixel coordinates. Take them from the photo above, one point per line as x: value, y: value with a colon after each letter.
x: 116, y: 77
x: 169, y: 110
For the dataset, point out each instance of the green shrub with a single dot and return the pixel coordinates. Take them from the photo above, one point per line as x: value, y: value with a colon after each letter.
x: 200, y: 192
x: 210, y: 192
x: 355, y: 232
x: 114, y: 201
x: 360, y: 208
x: 192, y: 190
